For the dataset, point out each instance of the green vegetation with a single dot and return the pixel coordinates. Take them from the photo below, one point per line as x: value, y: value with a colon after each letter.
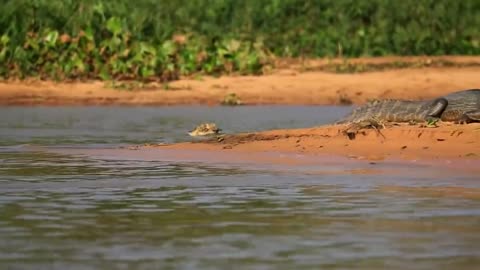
x: 432, y: 123
x: 162, y: 39
x: 118, y: 56
x: 349, y: 67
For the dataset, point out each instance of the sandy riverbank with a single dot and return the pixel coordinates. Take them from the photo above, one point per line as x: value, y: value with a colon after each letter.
x: 448, y: 141
x: 300, y: 83
x: 294, y: 83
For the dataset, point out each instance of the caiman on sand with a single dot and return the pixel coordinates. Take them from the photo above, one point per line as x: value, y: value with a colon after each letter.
x: 459, y: 107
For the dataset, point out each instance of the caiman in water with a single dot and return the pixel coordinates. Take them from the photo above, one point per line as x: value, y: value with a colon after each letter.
x: 459, y: 107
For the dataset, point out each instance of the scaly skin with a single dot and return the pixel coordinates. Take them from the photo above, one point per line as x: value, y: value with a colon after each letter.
x: 204, y: 130
x: 460, y: 107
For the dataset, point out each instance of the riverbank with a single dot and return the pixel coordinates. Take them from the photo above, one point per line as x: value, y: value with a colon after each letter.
x: 293, y: 82
x: 405, y: 142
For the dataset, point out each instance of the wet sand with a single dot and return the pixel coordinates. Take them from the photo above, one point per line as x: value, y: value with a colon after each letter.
x: 404, y: 142
x: 448, y: 151
x: 294, y: 82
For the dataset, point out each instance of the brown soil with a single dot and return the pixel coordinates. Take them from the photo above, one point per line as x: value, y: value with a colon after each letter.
x: 448, y: 141
x: 295, y: 82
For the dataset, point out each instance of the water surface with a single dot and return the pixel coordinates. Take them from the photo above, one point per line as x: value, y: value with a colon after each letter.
x: 62, y: 211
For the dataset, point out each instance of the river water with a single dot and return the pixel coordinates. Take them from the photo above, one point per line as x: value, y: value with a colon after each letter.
x: 65, y: 211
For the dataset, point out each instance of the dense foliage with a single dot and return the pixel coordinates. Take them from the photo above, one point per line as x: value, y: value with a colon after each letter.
x: 165, y: 38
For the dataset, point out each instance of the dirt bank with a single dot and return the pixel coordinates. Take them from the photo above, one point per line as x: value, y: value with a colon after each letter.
x: 448, y: 141
x: 294, y: 82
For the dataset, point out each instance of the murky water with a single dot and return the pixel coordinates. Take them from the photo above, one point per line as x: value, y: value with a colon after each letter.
x: 60, y: 211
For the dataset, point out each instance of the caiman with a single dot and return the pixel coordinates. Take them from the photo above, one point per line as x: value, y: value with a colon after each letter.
x: 459, y: 107
x: 204, y: 130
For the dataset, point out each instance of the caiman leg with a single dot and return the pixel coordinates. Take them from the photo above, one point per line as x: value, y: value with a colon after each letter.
x: 436, y: 111
x: 469, y: 117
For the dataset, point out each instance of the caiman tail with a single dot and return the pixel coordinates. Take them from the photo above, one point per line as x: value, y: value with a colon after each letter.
x: 390, y: 110
x: 461, y: 106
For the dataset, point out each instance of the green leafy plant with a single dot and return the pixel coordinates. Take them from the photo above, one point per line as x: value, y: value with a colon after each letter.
x: 141, y: 40
x: 117, y: 56
x: 432, y: 122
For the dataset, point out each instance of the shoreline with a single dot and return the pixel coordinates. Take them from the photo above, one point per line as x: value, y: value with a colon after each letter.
x: 294, y: 82
x: 402, y: 142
